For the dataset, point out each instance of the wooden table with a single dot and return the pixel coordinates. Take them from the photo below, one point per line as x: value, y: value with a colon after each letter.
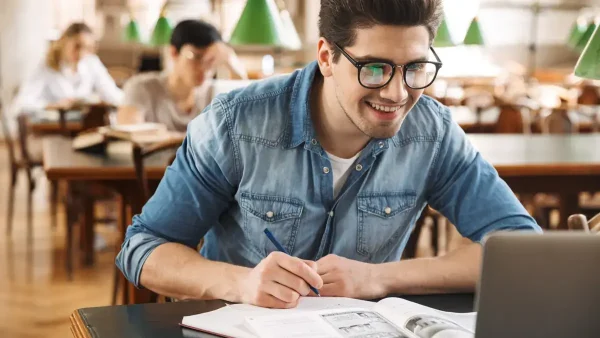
x: 162, y: 320
x: 114, y: 170
x: 562, y: 164
x: 49, y: 122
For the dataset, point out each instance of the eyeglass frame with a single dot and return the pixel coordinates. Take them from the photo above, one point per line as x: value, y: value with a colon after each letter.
x: 360, y: 64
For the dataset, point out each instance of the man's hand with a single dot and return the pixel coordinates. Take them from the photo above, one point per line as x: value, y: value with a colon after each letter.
x: 221, y: 54
x: 343, y: 277
x: 279, y: 280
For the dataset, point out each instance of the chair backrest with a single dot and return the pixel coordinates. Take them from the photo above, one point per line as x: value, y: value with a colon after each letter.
x: 140, y: 153
x: 588, y: 95
x: 12, y: 157
x: 510, y: 120
x: 96, y: 116
x: 558, y: 122
x: 580, y: 222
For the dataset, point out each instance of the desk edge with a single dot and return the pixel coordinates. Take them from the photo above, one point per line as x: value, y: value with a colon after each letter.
x: 78, y: 326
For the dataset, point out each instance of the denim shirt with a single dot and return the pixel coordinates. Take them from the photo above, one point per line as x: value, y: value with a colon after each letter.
x: 252, y: 160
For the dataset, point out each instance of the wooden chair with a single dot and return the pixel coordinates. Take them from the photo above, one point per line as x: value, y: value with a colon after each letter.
x: 559, y: 122
x: 140, y: 153
x: 580, y: 222
x: 478, y: 100
x: 24, y: 160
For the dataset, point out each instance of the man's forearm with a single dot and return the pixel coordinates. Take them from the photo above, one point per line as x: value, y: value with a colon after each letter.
x: 457, y: 271
x: 175, y: 270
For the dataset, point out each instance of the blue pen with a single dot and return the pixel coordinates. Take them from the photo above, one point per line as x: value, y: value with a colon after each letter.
x: 282, y: 249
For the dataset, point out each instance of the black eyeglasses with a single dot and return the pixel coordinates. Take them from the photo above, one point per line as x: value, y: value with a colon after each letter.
x: 376, y: 74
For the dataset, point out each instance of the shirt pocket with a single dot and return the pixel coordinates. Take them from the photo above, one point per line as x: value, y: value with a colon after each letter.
x: 383, y: 219
x: 280, y: 214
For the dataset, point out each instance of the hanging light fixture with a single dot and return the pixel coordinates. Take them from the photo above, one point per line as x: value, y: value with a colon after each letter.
x: 161, y: 35
x: 443, y: 37
x: 588, y: 65
x: 474, y: 36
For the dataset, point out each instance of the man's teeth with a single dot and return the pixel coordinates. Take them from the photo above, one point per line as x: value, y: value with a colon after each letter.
x: 386, y: 109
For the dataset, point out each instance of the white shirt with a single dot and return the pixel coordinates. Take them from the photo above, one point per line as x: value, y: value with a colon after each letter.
x: 341, y: 168
x: 47, y: 85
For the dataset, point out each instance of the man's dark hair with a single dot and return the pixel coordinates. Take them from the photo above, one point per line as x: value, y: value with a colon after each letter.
x: 339, y: 19
x: 197, y: 33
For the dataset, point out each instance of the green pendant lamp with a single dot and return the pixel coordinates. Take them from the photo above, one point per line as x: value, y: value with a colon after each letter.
x: 588, y: 65
x: 443, y: 37
x: 585, y: 38
x: 161, y: 35
x: 576, y: 33
x: 259, y: 25
x: 132, y: 30
x: 474, y: 36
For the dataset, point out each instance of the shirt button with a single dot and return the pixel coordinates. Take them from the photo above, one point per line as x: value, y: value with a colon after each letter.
x: 388, y: 210
x: 326, y: 170
x: 381, y: 145
x: 270, y: 214
x: 314, y: 142
x: 331, y: 214
x: 358, y: 167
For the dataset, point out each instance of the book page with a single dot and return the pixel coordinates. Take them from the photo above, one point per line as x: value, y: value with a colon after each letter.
x: 425, y: 322
x: 339, y: 323
x: 230, y: 320
x: 292, y: 325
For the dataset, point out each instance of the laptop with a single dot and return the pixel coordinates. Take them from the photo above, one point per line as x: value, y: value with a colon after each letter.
x: 535, y: 285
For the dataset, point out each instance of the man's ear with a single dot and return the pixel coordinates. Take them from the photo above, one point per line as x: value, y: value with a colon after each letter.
x: 325, y: 57
x: 173, y: 53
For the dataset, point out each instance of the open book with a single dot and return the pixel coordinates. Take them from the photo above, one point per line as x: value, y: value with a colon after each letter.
x: 143, y: 133
x: 335, y: 318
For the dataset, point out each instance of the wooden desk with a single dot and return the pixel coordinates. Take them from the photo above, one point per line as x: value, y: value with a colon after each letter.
x: 562, y: 164
x: 62, y: 162
x: 48, y: 122
x: 162, y: 320
x: 114, y: 170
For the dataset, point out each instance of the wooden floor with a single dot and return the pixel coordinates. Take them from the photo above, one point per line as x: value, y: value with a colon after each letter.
x: 36, y: 298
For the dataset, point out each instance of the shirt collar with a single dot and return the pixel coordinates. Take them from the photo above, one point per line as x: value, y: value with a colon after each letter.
x: 300, y: 128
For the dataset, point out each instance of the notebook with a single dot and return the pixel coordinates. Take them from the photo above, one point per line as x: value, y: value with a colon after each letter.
x: 324, y: 317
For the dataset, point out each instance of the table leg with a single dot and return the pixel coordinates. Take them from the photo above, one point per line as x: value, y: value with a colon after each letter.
x: 87, y: 228
x: 569, y: 205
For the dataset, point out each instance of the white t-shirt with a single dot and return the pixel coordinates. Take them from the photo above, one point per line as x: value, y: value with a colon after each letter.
x: 341, y: 168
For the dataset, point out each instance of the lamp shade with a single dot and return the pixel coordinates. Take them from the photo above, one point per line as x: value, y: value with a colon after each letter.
x: 576, y: 33
x: 583, y: 41
x: 132, y: 32
x: 161, y: 35
x: 259, y: 25
x: 443, y: 37
x: 588, y: 65
x: 474, y: 36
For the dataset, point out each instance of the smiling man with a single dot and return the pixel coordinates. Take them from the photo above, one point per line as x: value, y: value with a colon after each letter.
x: 338, y: 161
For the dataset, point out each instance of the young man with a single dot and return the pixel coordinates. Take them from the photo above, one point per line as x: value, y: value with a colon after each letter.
x: 176, y: 96
x: 337, y: 160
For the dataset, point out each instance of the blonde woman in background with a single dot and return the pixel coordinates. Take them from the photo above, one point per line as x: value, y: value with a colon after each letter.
x: 70, y: 73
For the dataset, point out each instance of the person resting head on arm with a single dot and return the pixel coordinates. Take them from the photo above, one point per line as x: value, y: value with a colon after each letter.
x: 175, y: 96
x: 71, y: 73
